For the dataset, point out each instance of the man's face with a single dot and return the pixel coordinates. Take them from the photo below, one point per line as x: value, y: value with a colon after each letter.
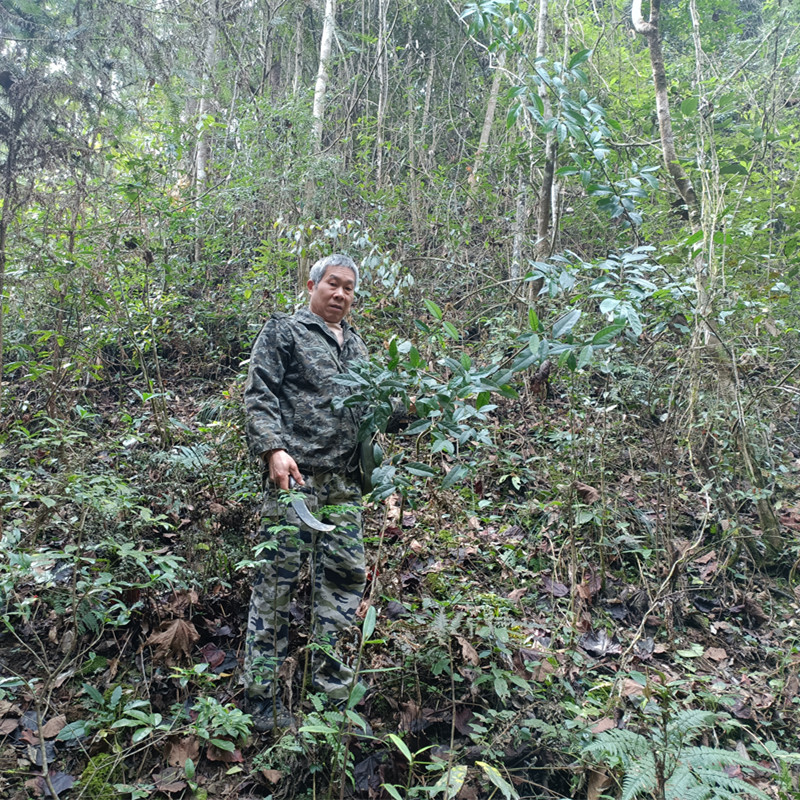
x: 332, y: 297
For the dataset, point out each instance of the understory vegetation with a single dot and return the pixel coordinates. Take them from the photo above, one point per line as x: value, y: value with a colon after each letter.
x: 582, y: 551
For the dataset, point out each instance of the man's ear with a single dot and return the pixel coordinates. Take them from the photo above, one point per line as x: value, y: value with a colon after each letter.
x: 310, y: 284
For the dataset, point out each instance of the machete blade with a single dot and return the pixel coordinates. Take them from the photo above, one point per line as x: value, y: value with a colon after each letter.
x: 306, y: 517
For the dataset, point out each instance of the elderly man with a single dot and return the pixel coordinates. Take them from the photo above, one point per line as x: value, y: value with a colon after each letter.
x: 293, y: 428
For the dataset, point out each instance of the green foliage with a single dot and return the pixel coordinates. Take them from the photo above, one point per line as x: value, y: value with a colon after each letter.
x: 661, y: 761
x: 220, y: 725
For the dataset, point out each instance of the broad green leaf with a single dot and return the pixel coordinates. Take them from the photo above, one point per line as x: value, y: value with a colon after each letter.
x: 609, y: 305
x: 586, y: 356
x: 369, y: 623
x: 693, y: 239
x: 482, y: 400
x: 451, y: 330
x: 356, y: 718
x: 533, y: 320
x: 566, y: 323
x: 456, y: 474
x: 493, y: 774
x: 223, y: 744
x: 402, y: 747
x: 733, y: 168
x: 420, y: 426
x: 414, y: 358
x: 317, y: 729
x: 356, y: 694
x: 451, y: 782
x: 420, y: 470
x: 579, y: 58
x: 74, y: 730
x: 116, y: 695
x: 605, y: 335
x: 434, y: 310
x: 689, y: 106
x: 392, y: 791
x: 140, y: 734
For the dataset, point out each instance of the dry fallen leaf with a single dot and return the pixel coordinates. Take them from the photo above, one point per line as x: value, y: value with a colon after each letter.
x: 169, y: 781
x: 715, y: 653
x: 178, y: 749
x: 8, y: 726
x: 174, y: 641
x: 605, y: 724
x: 53, y: 727
x: 214, y: 753
x: 555, y: 588
x: 630, y: 688
x: 598, y: 782
x: 7, y: 707
x: 587, y: 493
x: 469, y: 652
x: 272, y: 775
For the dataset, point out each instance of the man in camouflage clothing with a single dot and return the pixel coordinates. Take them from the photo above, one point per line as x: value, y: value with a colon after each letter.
x: 294, y: 430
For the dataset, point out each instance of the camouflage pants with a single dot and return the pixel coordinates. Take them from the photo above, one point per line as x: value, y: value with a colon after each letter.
x: 338, y: 579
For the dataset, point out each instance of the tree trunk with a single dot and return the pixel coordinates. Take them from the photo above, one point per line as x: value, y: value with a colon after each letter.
x: 520, y: 218
x: 413, y: 177
x: 545, y: 204
x: 298, y: 54
x: 321, y: 87
x: 488, y: 121
x: 203, y: 150
x: 705, y: 337
x: 679, y: 177
x: 383, y: 92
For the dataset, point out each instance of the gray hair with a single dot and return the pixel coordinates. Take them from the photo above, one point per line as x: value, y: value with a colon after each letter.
x: 317, y: 272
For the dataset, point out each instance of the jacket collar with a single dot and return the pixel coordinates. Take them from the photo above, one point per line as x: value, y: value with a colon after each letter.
x: 308, y: 317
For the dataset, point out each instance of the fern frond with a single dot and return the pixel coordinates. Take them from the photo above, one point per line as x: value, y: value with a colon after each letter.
x: 700, y: 757
x: 619, y: 744
x: 685, y: 726
x: 717, y: 784
x: 640, y: 778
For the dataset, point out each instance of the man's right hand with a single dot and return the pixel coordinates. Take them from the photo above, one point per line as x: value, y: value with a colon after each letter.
x: 281, y: 466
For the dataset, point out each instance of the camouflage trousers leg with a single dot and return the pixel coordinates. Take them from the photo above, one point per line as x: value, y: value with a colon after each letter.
x: 338, y: 585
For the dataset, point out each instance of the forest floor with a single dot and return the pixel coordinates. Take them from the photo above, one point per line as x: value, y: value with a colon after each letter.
x: 564, y: 593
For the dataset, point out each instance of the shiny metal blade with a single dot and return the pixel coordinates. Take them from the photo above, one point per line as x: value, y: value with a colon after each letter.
x: 306, y: 517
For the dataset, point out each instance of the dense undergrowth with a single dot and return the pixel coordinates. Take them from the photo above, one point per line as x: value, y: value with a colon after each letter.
x: 568, y: 589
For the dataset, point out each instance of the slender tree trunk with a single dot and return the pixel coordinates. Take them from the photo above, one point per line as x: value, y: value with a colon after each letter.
x: 545, y: 202
x: 383, y: 93
x: 318, y: 112
x: 706, y: 339
x: 298, y: 54
x: 426, y: 111
x: 488, y: 120
x: 9, y: 205
x: 203, y: 150
x: 413, y: 177
x: 681, y: 180
x: 4, y: 217
x: 520, y: 218
x: 321, y: 87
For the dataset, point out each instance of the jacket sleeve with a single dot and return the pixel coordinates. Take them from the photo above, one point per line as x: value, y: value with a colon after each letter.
x: 263, y: 391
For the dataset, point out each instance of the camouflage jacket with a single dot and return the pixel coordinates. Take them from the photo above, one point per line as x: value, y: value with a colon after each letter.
x: 289, y: 391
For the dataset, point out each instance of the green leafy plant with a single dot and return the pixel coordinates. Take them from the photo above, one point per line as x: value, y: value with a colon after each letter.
x: 220, y: 725
x: 661, y: 762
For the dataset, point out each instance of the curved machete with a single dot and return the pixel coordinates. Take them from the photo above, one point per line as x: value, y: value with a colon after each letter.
x: 306, y: 517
